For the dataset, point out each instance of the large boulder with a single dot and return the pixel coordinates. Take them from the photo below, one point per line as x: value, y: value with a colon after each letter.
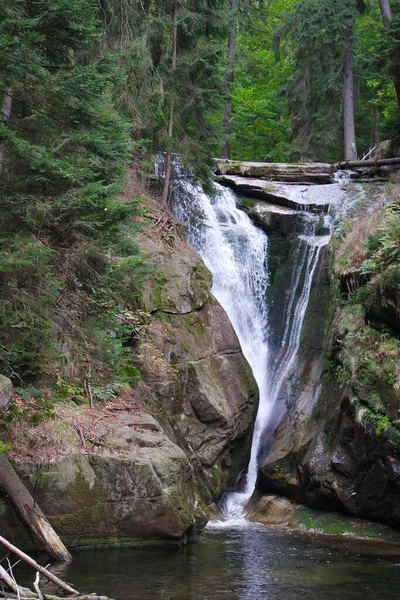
x: 134, y: 485
x: 193, y: 364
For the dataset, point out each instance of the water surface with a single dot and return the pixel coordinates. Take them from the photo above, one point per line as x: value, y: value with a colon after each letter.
x: 246, y: 563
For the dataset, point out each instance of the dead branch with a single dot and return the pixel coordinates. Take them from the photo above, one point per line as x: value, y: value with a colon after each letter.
x: 26, y: 558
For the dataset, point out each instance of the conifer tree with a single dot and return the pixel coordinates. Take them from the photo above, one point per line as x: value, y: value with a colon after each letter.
x: 64, y: 156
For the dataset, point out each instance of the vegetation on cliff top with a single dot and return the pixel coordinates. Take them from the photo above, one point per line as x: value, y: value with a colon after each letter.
x: 368, y: 264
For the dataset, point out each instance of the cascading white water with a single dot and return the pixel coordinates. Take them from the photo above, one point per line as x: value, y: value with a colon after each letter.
x: 236, y: 253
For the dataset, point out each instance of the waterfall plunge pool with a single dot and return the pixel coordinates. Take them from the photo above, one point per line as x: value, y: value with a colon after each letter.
x: 252, y: 562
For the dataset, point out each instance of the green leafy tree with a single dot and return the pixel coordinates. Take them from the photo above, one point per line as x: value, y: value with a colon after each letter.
x: 260, y: 124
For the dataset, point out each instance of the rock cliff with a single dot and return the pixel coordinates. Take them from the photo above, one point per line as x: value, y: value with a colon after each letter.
x: 143, y: 467
x: 338, y: 444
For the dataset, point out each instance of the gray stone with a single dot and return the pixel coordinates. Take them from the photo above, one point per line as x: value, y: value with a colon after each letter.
x: 297, y: 172
x: 6, y: 389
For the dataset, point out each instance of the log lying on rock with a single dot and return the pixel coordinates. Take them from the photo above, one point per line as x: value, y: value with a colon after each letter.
x: 351, y: 164
x: 288, y: 173
x: 30, y: 512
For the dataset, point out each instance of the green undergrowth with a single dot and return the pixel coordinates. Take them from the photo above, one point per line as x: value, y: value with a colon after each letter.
x: 367, y: 324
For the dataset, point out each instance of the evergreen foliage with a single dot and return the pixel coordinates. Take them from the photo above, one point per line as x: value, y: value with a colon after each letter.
x: 64, y: 156
x: 88, y: 88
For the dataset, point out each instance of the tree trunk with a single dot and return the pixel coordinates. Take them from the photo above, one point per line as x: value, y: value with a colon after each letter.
x: 350, y: 149
x: 226, y: 152
x: 386, y: 11
x: 377, y: 119
x: 171, y: 111
x: 5, y: 115
x: 135, y: 160
x: 387, y: 17
x: 30, y: 512
x: 381, y: 162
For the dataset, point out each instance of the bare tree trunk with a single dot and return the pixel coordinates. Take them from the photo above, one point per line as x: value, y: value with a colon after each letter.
x: 135, y: 160
x: 30, y: 512
x: 377, y: 119
x: 380, y: 162
x: 226, y: 152
x: 386, y: 11
x: 350, y: 149
x: 5, y: 115
x: 387, y: 17
x: 171, y: 111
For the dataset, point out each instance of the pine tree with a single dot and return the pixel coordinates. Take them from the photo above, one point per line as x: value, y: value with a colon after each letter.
x: 64, y: 156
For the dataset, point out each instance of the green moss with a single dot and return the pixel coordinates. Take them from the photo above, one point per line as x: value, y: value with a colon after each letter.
x: 216, y: 482
x: 269, y: 188
x: 336, y: 524
x: 91, y: 515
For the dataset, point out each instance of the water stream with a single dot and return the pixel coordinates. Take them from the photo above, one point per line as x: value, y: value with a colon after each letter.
x: 236, y: 252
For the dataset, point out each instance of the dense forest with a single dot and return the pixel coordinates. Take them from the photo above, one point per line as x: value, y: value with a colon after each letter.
x: 171, y: 350
x: 91, y: 91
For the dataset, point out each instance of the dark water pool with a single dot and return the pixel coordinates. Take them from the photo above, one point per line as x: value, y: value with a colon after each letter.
x: 251, y: 563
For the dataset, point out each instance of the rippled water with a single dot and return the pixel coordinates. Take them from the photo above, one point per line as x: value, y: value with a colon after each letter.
x: 248, y: 563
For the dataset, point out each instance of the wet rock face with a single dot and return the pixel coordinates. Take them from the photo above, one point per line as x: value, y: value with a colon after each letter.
x: 339, y: 465
x: 275, y: 219
x: 193, y: 364
x: 323, y: 453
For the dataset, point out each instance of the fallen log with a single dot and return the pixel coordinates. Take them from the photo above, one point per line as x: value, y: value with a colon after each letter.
x: 30, y: 512
x: 350, y: 164
x: 317, y: 173
x: 26, y: 558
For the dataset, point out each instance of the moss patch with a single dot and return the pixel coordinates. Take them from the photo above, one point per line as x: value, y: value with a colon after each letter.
x: 336, y: 524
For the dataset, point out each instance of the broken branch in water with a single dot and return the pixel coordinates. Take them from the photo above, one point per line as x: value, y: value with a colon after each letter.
x: 23, y: 593
x: 26, y: 558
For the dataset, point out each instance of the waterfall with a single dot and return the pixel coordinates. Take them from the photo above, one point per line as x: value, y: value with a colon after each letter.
x: 236, y: 252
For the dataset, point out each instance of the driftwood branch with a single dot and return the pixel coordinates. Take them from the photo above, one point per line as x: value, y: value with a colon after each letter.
x: 36, y: 586
x: 26, y: 558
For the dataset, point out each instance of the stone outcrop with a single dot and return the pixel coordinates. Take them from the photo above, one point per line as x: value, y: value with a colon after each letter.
x: 274, y: 219
x: 295, y: 197
x: 295, y: 173
x: 143, y: 467
x: 203, y: 380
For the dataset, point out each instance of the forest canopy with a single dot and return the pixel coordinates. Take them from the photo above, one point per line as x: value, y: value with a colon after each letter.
x: 92, y: 90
